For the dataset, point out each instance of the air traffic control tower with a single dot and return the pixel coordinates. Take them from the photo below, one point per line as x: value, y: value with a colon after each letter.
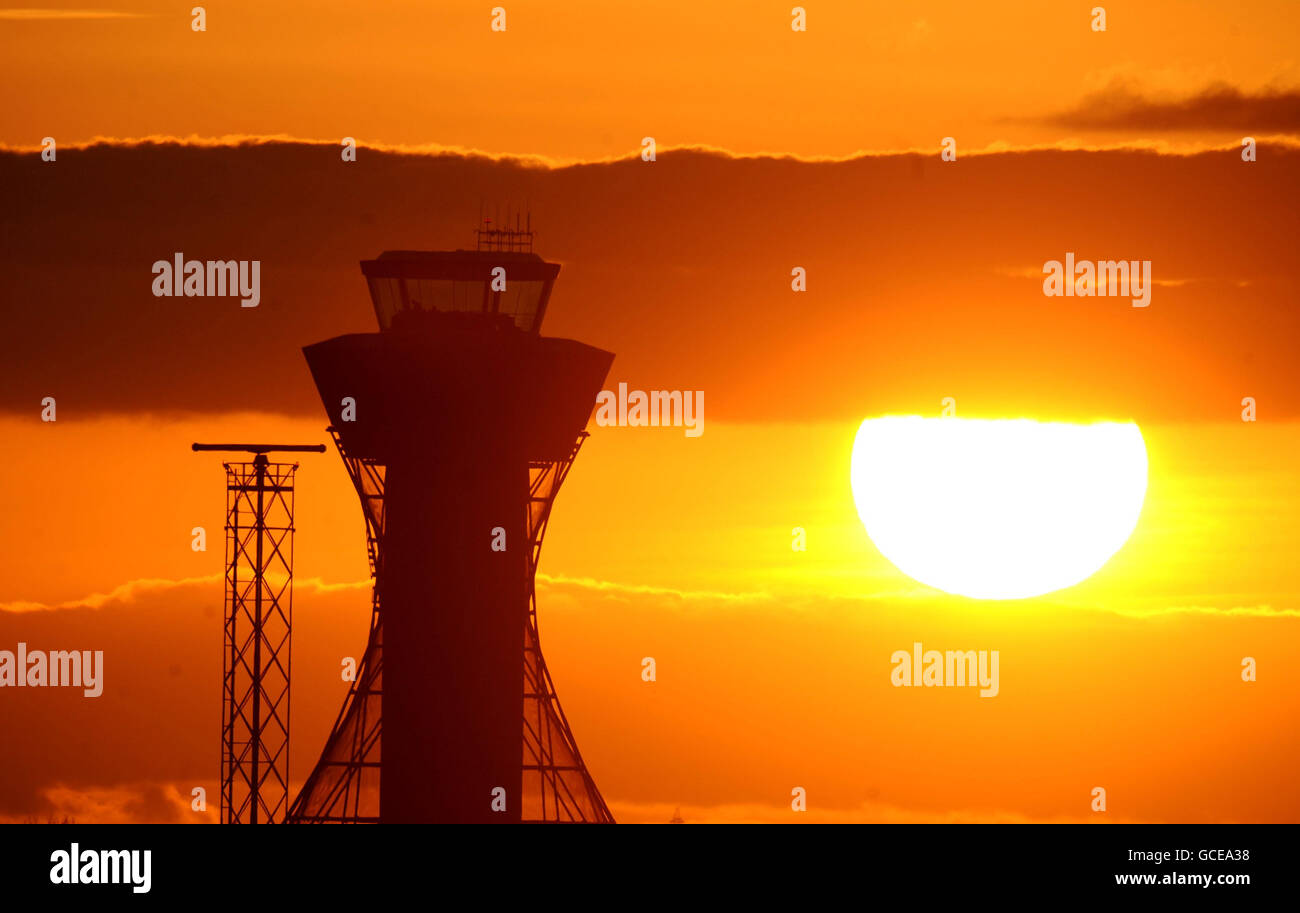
x: 457, y: 422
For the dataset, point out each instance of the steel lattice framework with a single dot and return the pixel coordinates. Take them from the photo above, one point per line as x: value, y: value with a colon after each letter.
x: 564, y: 791
x: 344, y: 787
x: 258, y: 632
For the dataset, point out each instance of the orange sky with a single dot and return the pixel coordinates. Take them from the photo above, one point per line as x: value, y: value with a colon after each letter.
x: 773, y: 665
x: 589, y: 79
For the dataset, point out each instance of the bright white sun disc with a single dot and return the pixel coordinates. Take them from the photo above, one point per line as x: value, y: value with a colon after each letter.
x: 998, y: 508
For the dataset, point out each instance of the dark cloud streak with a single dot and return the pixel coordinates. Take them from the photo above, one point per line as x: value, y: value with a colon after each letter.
x: 1217, y: 107
x: 921, y: 277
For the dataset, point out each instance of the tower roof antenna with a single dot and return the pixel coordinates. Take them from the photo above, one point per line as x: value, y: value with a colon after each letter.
x: 504, y: 238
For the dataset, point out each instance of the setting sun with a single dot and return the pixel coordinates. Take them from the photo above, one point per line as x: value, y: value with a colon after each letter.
x: 998, y: 509
x: 731, y: 412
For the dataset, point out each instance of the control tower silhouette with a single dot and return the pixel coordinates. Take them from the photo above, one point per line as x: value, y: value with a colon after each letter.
x: 457, y: 422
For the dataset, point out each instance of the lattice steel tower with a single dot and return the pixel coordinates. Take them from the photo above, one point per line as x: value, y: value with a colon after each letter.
x: 457, y: 422
x: 258, y: 634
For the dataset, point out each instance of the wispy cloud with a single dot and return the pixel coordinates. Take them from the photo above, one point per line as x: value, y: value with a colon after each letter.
x: 544, y: 162
x: 609, y: 588
x: 575, y: 589
x: 128, y: 592
x: 1253, y: 611
x: 123, y: 803
x: 48, y: 15
x: 1036, y: 273
x: 867, y: 813
x: 1120, y: 106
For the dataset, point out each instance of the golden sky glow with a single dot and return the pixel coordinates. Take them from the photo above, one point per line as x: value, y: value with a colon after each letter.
x: 697, y: 570
x: 924, y: 281
x: 588, y: 79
